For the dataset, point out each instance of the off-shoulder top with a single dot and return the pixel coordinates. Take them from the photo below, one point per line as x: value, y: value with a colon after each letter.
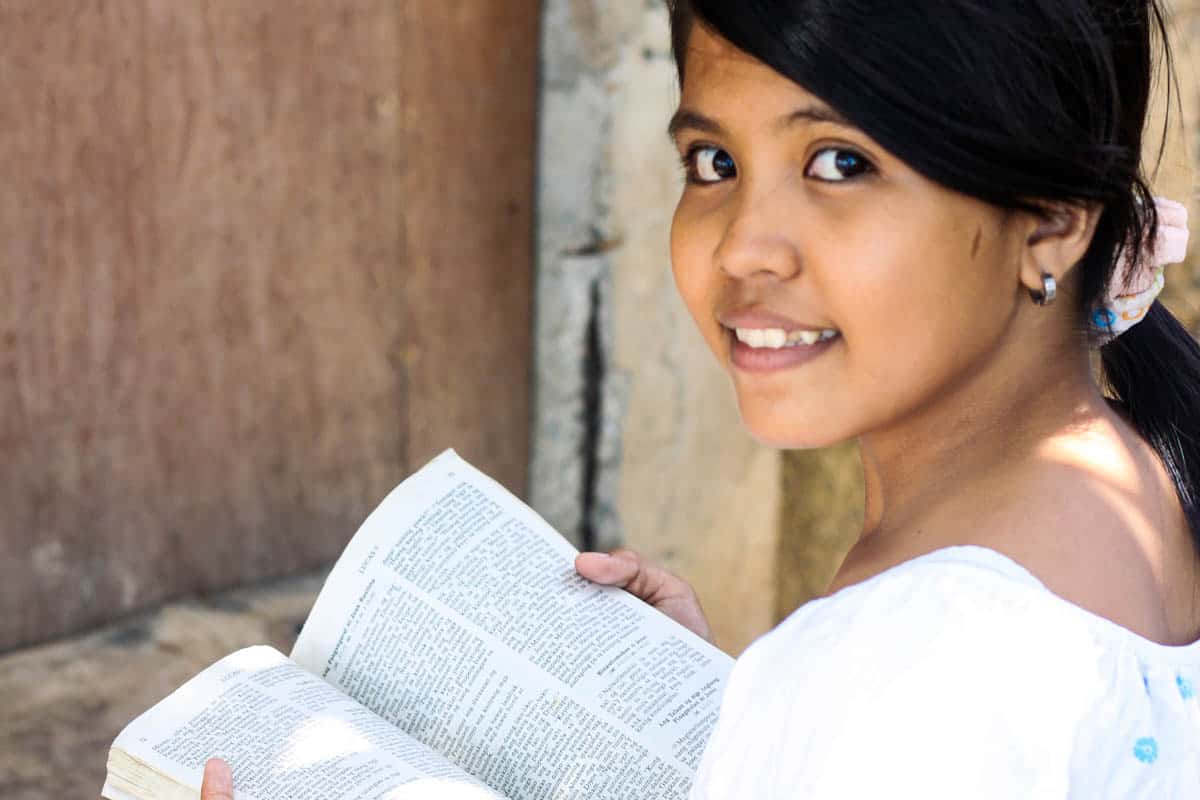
x: 957, y: 674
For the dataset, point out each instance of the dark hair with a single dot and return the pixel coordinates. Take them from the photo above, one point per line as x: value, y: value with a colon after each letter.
x: 1018, y: 105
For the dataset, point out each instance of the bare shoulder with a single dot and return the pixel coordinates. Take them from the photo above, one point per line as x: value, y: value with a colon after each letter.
x: 1094, y: 516
x: 1103, y: 529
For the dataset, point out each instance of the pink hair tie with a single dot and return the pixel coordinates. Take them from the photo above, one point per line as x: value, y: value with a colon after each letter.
x: 1131, y: 295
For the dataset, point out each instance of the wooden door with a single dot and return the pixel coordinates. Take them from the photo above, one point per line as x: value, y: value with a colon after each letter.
x: 260, y: 260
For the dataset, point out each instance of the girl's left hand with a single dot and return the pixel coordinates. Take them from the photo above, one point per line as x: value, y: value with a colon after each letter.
x: 218, y: 781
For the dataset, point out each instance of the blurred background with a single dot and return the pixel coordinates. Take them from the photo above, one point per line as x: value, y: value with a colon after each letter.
x: 263, y: 259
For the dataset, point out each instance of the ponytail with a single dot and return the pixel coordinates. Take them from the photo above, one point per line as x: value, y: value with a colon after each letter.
x: 1153, y: 370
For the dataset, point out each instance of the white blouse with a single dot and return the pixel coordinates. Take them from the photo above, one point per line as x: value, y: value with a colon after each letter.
x: 955, y: 675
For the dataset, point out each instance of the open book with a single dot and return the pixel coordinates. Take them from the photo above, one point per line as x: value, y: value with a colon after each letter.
x: 453, y: 652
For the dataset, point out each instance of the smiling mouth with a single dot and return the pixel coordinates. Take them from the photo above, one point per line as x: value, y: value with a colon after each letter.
x: 773, y: 350
x: 778, y: 338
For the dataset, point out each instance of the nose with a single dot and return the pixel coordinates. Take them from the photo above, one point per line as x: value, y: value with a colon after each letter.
x: 758, y: 242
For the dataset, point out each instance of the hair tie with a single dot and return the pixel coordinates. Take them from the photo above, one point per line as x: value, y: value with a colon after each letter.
x: 1130, y: 296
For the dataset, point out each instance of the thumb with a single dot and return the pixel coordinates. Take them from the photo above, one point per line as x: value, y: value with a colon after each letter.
x: 615, y: 569
x: 218, y: 781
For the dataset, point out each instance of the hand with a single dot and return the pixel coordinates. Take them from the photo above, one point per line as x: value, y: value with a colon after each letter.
x: 647, y: 581
x: 218, y: 781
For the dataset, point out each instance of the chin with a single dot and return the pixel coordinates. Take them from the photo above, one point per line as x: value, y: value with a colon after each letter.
x: 786, y: 432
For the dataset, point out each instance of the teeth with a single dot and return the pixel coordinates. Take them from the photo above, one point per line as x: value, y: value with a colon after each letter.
x: 776, y: 338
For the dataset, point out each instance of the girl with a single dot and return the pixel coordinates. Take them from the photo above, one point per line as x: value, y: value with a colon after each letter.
x: 914, y: 224
x: 923, y: 225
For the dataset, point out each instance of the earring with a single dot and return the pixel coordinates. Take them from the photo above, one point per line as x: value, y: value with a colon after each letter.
x: 1049, y: 290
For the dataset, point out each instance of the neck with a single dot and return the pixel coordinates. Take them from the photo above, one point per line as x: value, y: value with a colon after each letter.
x: 974, y: 437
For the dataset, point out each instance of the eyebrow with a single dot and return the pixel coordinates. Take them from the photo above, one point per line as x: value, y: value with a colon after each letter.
x: 686, y: 118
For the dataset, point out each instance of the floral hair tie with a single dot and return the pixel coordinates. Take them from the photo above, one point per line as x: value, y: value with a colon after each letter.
x: 1127, y: 303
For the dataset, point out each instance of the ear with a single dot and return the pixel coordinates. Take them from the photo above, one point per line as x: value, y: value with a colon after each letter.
x: 1057, y: 241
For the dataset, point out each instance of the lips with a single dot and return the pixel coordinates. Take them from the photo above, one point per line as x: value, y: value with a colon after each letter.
x: 764, y: 341
x: 761, y: 360
x: 762, y: 318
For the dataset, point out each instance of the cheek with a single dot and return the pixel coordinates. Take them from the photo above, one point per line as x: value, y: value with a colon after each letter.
x: 898, y: 280
x: 914, y: 327
x: 695, y: 278
x: 911, y: 327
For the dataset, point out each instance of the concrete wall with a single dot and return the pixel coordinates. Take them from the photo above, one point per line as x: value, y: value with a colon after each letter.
x: 637, y: 438
x: 1176, y: 176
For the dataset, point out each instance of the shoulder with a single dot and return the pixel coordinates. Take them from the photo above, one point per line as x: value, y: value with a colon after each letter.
x: 936, y: 672
x: 951, y: 601
x: 940, y: 624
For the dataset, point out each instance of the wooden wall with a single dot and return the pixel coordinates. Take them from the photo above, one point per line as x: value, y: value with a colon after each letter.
x: 260, y: 260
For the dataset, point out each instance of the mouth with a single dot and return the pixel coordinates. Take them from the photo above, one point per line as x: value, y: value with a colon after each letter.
x: 778, y: 338
x: 762, y: 350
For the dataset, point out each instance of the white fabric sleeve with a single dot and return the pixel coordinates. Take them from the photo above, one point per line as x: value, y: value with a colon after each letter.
x: 924, y: 684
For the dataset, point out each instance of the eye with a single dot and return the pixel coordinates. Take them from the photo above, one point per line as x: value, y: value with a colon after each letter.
x: 837, y: 165
x: 705, y: 164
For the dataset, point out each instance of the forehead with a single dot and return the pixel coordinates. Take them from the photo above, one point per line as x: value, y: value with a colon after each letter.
x: 714, y: 70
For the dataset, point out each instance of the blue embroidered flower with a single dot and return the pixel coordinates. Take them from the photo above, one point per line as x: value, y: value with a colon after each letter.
x: 1185, y: 687
x: 1146, y: 683
x: 1146, y: 749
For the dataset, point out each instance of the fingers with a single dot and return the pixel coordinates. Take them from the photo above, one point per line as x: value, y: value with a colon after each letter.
x: 218, y: 781
x: 609, y: 569
x: 687, y: 612
x: 628, y: 570
x: 649, y: 582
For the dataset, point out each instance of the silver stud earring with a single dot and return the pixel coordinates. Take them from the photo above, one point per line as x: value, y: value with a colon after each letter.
x: 1049, y: 290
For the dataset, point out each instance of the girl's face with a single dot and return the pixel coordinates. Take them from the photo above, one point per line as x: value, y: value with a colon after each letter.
x: 795, y: 226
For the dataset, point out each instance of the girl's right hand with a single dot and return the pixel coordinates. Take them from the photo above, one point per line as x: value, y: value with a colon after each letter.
x: 218, y: 781
x: 648, y: 581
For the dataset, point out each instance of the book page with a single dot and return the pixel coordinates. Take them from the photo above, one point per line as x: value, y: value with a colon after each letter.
x: 456, y: 613
x: 285, y: 733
